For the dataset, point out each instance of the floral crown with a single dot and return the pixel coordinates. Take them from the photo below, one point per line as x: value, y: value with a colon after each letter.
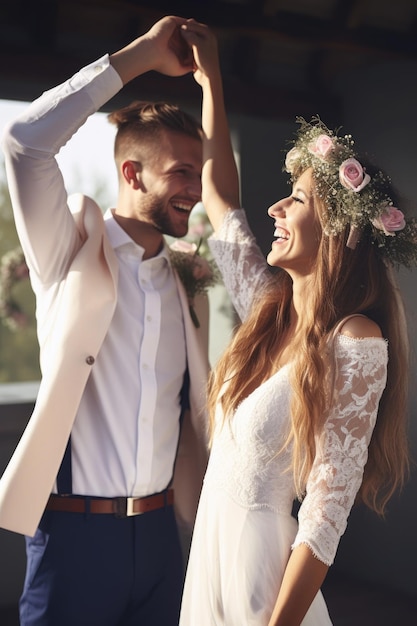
x: 351, y: 195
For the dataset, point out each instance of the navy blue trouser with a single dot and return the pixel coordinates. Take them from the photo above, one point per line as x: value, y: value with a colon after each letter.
x: 100, y: 570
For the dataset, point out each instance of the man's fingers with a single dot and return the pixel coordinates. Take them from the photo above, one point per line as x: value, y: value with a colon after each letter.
x: 180, y: 47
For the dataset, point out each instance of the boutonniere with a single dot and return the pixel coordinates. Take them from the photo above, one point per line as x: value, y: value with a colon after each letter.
x: 196, y: 272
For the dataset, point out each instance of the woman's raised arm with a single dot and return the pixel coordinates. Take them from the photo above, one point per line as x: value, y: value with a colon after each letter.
x: 220, y: 180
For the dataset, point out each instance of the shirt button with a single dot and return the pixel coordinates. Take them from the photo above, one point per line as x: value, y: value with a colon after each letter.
x: 90, y: 360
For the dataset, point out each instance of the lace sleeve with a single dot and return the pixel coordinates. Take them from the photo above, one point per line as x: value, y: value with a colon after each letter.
x: 342, y: 448
x: 241, y: 262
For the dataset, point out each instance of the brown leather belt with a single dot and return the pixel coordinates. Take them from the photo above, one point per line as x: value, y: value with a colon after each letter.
x: 120, y: 507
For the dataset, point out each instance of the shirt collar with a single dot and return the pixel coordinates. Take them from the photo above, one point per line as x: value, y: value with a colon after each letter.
x: 119, y: 238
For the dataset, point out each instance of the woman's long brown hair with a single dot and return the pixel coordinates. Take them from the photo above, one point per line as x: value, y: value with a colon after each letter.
x: 344, y: 282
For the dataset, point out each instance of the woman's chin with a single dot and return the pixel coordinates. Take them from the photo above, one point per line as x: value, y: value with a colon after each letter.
x: 272, y: 259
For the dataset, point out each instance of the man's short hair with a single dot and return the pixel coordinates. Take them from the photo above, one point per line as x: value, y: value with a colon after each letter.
x: 142, y: 121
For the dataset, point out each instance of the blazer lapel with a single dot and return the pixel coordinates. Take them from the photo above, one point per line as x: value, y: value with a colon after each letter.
x: 191, y: 461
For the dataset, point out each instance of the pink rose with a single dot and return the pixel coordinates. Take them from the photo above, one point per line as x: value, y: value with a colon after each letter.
x: 180, y: 245
x: 321, y: 146
x: 391, y: 220
x: 352, y: 175
x: 291, y: 159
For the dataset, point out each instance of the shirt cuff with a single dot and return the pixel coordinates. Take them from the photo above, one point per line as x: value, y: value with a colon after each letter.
x: 100, y: 79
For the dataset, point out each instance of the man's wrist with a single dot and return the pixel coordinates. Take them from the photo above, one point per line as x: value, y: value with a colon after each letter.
x: 133, y: 60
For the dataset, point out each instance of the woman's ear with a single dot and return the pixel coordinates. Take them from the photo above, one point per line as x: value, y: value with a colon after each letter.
x: 132, y: 173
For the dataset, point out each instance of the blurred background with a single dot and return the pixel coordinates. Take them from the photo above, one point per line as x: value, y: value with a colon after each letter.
x: 353, y: 63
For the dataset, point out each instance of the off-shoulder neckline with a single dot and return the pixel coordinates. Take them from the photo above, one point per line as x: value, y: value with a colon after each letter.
x: 347, y: 339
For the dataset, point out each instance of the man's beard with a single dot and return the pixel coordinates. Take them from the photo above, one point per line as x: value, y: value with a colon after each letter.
x: 157, y: 214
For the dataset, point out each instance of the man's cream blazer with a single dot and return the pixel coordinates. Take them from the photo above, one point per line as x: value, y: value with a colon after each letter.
x: 83, y: 310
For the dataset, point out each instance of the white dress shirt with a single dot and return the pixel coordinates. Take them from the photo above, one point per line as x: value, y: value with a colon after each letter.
x: 126, y: 431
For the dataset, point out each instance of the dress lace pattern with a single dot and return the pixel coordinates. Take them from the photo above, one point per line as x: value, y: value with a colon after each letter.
x: 245, y: 530
x: 342, y: 450
x: 242, y: 264
x: 247, y: 460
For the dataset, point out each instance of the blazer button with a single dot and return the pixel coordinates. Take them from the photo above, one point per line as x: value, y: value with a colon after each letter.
x: 90, y: 360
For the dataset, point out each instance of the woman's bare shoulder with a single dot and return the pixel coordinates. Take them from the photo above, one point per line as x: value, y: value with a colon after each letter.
x: 359, y: 327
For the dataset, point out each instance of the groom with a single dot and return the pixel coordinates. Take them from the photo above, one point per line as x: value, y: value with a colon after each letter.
x: 116, y: 442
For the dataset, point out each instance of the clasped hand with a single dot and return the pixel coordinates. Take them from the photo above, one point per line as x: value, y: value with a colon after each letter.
x: 183, y: 46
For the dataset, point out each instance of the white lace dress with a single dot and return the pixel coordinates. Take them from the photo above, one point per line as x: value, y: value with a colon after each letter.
x: 244, y: 530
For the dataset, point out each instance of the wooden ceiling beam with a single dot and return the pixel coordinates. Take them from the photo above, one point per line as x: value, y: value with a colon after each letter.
x: 19, y: 81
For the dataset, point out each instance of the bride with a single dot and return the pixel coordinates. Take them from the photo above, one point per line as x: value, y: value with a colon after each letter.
x: 304, y: 402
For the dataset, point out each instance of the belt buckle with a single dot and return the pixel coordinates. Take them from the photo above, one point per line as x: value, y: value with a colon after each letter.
x: 124, y: 507
x: 129, y: 507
